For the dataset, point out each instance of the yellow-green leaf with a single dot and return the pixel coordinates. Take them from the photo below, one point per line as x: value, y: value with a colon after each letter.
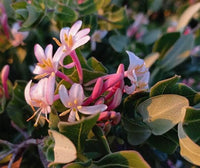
x: 64, y: 149
x: 163, y: 112
x: 189, y: 150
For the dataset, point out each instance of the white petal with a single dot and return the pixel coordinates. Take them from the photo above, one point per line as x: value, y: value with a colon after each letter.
x: 64, y: 31
x: 81, y: 42
x: 50, y: 89
x: 39, y: 70
x: 134, y: 60
x: 64, y: 97
x: 72, y: 116
x: 82, y: 33
x: 75, y: 27
x: 27, y: 92
x: 39, y: 53
x: 92, y: 109
x: 76, y: 93
x: 60, y: 55
x: 130, y: 89
x: 49, y: 51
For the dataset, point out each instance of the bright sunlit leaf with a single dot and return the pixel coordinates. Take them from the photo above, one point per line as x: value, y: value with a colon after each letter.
x: 163, y: 112
x: 189, y: 149
x: 64, y: 149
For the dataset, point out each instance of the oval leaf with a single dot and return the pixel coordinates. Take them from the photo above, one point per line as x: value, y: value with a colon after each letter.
x: 187, y: 15
x: 189, y: 150
x: 64, y: 149
x: 163, y: 112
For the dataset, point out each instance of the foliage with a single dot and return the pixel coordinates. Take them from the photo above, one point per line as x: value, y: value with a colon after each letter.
x: 121, y: 92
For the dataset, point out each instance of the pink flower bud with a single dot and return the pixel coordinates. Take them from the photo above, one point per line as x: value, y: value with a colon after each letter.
x: 4, y: 78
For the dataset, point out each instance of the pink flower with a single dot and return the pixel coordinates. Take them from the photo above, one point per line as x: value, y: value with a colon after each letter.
x: 40, y: 95
x: 137, y: 73
x: 72, y: 38
x: 47, y: 63
x: 18, y: 36
x: 73, y: 100
x: 4, y: 77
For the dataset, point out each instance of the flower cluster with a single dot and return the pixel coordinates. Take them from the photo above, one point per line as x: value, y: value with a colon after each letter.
x: 105, y: 92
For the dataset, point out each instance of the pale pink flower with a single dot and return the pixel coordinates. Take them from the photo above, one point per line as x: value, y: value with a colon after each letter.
x: 41, y: 96
x: 137, y: 73
x: 72, y: 38
x: 4, y: 77
x: 140, y: 20
x: 18, y: 36
x: 47, y: 63
x: 73, y: 99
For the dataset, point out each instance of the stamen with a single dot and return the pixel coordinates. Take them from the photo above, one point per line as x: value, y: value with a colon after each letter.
x: 41, y: 76
x: 75, y: 101
x: 65, y: 112
x: 57, y: 41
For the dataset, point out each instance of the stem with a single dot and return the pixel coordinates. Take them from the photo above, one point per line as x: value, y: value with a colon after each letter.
x: 78, y: 65
x: 64, y: 77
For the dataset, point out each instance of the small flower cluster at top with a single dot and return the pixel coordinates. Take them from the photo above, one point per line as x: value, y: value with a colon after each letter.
x: 106, y: 91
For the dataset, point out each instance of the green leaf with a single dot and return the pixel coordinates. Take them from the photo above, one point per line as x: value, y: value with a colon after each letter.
x: 64, y: 149
x: 90, y: 6
x: 163, y: 112
x: 21, y: 14
x: 118, y: 42
x: 163, y: 44
x: 137, y: 132
x: 178, y: 53
x: 19, y: 5
x: 191, y: 123
x: 115, y: 18
x: 189, y: 149
x: 78, y: 131
x: 151, y: 36
x: 128, y: 159
x: 131, y: 102
x: 16, y: 107
x: 33, y: 16
x: 187, y: 15
x: 96, y: 65
x: 167, y: 142
x: 65, y: 13
x: 161, y: 86
x: 53, y: 120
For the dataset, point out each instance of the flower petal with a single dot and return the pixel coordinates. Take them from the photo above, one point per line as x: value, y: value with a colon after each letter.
x: 92, y: 109
x: 80, y: 42
x: 39, y: 53
x: 75, y: 27
x: 64, y: 31
x: 64, y: 97
x: 49, y: 51
x: 27, y: 92
x: 50, y: 89
x: 76, y: 93
x: 72, y: 115
x: 82, y: 33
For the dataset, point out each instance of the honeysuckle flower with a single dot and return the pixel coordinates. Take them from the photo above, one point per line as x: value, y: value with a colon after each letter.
x: 17, y: 35
x: 97, y: 36
x: 140, y: 19
x: 47, y: 63
x: 41, y: 96
x: 72, y: 38
x: 4, y: 77
x: 73, y: 99
x: 137, y: 73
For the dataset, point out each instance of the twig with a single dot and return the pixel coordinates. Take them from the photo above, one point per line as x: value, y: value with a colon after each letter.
x: 19, y: 130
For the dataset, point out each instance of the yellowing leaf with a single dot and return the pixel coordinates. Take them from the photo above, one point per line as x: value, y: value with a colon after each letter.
x: 64, y: 149
x: 187, y: 15
x: 189, y: 150
x: 163, y: 112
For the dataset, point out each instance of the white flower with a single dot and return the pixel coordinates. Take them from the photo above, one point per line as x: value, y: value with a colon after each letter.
x: 73, y: 99
x: 137, y: 73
